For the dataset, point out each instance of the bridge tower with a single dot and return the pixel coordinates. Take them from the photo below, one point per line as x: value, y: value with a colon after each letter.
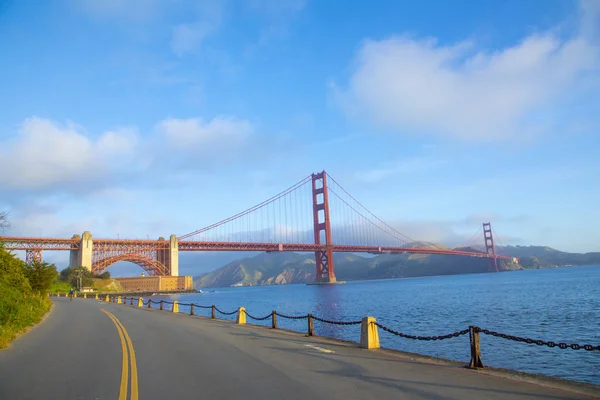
x: 82, y: 257
x: 33, y: 255
x: 489, y: 246
x: 170, y: 257
x: 324, y: 258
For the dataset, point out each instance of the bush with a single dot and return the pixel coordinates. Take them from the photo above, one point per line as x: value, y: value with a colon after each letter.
x: 40, y: 276
x: 20, y: 305
x: 71, y: 275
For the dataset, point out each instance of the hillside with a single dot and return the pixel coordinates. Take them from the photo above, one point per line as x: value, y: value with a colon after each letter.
x: 285, y: 268
x: 547, y: 257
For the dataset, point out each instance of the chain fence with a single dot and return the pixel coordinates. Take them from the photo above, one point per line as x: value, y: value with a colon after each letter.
x: 326, y: 321
x: 225, y: 313
x: 560, y: 345
x: 426, y: 338
x: 258, y: 318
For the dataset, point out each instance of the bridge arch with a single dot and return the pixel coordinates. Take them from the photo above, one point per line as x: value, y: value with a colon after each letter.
x: 150, y: 265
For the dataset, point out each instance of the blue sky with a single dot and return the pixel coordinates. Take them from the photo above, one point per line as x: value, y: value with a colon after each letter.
x: 150, y: 117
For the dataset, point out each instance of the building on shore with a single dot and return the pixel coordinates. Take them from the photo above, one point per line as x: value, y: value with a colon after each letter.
x: 156, y: 283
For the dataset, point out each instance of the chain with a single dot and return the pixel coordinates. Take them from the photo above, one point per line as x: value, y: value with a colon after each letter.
x: 337, y: 322
x: 258, y: 319
x: 292, y: 316
x: 441, y: 337
x: 226, y: 313
x: 560, y: 345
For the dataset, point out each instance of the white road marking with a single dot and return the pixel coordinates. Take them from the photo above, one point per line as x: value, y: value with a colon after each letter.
x: 319, y: 348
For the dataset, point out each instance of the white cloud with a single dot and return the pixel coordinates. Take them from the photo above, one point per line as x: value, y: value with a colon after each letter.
x: 47, y: 156
x: 422, y: 86
x: 44, y: 154
x: 221, y: 131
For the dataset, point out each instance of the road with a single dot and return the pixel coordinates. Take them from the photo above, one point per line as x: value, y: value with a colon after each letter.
x: 77, y: 353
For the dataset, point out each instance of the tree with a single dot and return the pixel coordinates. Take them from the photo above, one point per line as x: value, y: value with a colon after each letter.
x: 4, y: 220
x: 12, y: 271
x: 104, y: 275
x: 40, y: 275
x: 72, y: 276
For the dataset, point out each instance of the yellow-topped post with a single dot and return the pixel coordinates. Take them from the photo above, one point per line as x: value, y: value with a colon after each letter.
x: 369, y: 334
x: 107, y: 298
x: 119, y: 300
x: 175, y: 307
x: 241, y: 316
x: 140, y: 302
x: 96, y: 296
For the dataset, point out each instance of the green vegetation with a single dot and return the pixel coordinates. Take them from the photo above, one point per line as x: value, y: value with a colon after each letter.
x: 59, y: 286
x: 22, y: 302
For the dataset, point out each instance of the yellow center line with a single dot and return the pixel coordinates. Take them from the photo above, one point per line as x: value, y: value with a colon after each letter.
x: 126, y: 344
x: 134, y: 376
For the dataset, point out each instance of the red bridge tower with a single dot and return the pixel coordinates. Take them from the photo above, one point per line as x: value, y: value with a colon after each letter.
x: 323, y: 258
x: 489, y: 246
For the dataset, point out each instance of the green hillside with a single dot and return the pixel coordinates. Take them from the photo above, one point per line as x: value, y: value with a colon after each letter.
x: 285, y: 268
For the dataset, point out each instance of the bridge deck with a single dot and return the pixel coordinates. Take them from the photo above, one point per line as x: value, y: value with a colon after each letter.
x: 123, y: 245
x: 76, y: 353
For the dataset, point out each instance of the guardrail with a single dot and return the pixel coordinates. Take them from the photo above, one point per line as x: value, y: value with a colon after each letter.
x: 369, y: 337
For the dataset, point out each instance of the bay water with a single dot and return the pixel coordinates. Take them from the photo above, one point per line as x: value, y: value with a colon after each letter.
x: 560, y: 305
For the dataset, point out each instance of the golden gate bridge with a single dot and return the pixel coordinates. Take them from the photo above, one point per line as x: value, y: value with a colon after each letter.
x: 314, y: 215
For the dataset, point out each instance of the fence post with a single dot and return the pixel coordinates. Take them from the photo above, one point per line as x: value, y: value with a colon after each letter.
x: 85, y: 295
x: 274, y: 320
x: 369, y: 334
x: 161, y: 304
x: 241, y: 316
x: 107, y: 298
x: 140, y: 302
x: 475, y: 350
x: 192, y: 309
x: 131, y: 303
x: 175, y: 307
x: 150, y: 303
x: 119, y: 300
x: 212, y: 312
x: 96, y: 296
x: 310, y: 324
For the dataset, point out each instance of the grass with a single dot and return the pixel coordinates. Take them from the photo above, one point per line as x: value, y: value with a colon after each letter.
x: 19, y: 311
x: 106, y: 285
x: 60, y: 286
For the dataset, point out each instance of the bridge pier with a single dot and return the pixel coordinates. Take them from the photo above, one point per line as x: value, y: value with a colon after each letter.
x: 324, y: 258
x: 32, y: 256
x: 82, y: 257
x: 170, y: 258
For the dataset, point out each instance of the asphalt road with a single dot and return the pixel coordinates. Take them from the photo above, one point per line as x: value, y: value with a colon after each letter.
x: 77, y: 353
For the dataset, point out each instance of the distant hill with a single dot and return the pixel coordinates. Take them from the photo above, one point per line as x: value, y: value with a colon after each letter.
x: 286, y: 268
x: 547, y: 257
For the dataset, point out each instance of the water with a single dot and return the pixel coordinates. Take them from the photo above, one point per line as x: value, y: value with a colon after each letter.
x: 550, y: 304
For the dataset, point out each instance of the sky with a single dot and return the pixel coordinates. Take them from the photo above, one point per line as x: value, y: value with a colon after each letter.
x: 144, y: 118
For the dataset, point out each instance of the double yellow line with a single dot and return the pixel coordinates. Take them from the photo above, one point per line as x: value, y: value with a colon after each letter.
x: 126, y: 346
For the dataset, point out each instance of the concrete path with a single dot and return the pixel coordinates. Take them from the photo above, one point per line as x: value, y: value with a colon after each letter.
x: 77, y: 353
